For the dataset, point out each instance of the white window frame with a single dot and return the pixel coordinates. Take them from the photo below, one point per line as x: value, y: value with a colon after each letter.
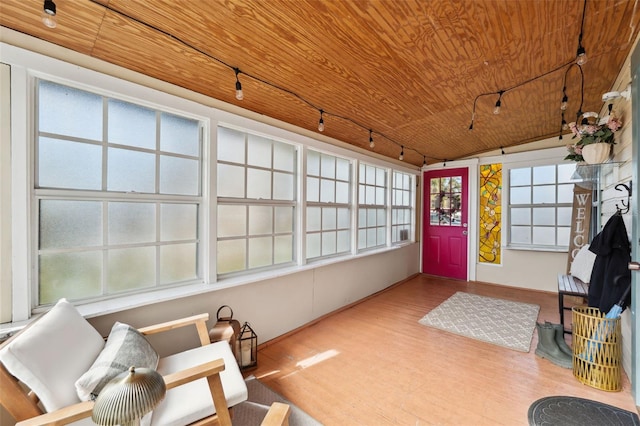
x: 401, y: 207
x: 362, y: 186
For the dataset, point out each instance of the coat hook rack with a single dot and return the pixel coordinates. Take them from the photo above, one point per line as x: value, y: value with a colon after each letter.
x: 625, y: 204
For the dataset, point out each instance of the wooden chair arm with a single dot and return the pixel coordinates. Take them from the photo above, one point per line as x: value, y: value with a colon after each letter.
x: 200, y: 321
x: 278, y: 415
x: 81, y: 410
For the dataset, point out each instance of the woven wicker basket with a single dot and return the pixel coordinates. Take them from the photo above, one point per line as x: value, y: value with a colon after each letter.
x: 597, y: 348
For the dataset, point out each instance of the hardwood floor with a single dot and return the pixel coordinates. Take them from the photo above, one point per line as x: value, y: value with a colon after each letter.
x: 373, y: 364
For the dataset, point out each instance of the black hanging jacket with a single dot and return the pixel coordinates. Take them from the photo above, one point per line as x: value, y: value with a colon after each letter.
x: 610, y: 276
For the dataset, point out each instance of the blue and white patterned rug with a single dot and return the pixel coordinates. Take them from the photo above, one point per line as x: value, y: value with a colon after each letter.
x: 497, y: 321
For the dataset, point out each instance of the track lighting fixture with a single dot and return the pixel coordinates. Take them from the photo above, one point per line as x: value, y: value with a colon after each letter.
x: 502, y: 150
x: 49, y: 14
x: 496, y: 110
x: 565, y: 126
x: 424, y: 160
x: 371, y: 143
x: 401, y: 153
x: 321, y: 122
x: 239, y: 94
x: 473, y: 116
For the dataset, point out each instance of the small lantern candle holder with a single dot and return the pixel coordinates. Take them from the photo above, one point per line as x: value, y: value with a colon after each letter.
x: 248, y: 354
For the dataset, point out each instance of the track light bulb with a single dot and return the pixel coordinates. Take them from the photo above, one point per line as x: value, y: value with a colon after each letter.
x: 49, y: 14
x: 581, y: 56
x: 496, y: 110
x: 401, y: 154
x: 321, y: 122
x: 564, y: 103
x: 371, y: 142
x: 239, y: 93
x: 565, y: 126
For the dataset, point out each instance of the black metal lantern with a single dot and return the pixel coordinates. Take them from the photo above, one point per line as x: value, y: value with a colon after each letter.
x: 248, y: 354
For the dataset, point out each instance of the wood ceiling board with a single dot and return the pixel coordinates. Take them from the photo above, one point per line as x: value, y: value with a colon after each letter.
x: 409, y: 69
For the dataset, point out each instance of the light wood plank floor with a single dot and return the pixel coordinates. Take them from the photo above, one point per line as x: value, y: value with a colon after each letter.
x: 373, y: 364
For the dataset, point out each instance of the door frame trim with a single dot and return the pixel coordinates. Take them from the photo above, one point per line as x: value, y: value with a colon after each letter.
x: 472, y: 166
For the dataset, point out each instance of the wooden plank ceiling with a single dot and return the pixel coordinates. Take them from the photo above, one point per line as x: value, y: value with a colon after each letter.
x: 410, y: 70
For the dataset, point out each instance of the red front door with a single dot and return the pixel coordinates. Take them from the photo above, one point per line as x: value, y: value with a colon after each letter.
x: 445, y: 232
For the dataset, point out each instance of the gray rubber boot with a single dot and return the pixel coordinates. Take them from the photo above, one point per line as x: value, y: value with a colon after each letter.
x: 548, y: 348
x: 562, y: 344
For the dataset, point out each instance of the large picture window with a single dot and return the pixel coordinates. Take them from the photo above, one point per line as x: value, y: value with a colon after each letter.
x: 118, y: 195
x: 256, y: 202
x: 540, y: 205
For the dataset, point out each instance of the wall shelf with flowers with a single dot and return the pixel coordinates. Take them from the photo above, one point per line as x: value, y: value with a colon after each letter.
x: 596, y: 136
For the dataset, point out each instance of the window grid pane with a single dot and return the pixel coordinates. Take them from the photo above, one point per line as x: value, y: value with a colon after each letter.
x: 123, y: 225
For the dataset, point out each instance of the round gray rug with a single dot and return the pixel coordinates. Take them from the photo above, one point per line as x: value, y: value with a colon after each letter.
x: 570, y: 411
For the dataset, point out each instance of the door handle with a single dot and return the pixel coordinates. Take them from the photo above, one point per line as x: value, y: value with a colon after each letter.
x: 465, y: 232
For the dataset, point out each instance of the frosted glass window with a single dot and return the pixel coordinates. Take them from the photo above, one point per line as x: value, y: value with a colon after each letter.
x: 564, y: 233
x: 283, y: 249
x: 565, y: 193
x: 544, y: 235
x: 314, y: 215
x: 258, y: 151
x: 544, y: 175
x: 544, y: 194
x: 260, y: 220
x: 258, y: 184
x: 131, y: 268
x: 328, y: 243
x: 328, y: 166
x: 313, y: 163
x: 71, y: 275
x: 232, y: 220
x: 313, y: 245
x: 343, y: 169
x: 519, y: 177
x: 313, y: 189
x: 180, y: 135
x: 327, y: 191
x: 283, y: 219
x: 565, y: 172
x: 371, y: 217
x: 343, y: 241
x: 370, y: 195
x: 343, y: 218
x: 132, y: 125
x: 131, y: 171
x: 520, y: 195
x: 564, y: 216
x: 283, y: 186
x: 67, y: 111
x: 381, y: 177
x: 178, y: 263
x: 521, y: 234
x: 284, y: 157
x: 362, y: 238
x: 520, y: 216
x: 380, y: 196
x: 72, y: 165
x: 329, y: 218
x: 230, y: 181
x: 342, y: 192
x: 370, y: 175
x: 232, y: 256
x: 178, y: 222
x: 131, y: 223
x: 68, y: 224
x: 260, y: 252
x: 231, y: 145
x: 544, y: 216
x: 179, y: 176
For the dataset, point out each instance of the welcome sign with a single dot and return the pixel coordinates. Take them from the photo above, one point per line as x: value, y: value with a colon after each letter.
x: 580, y: 221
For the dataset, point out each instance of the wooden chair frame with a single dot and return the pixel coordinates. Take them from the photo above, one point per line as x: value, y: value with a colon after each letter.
x: 23, y: 405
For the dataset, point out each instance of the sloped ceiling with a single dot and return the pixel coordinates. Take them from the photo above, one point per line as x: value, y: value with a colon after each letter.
x: 409, y: 70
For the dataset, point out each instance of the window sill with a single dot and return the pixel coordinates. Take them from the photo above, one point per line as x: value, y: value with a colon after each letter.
x: 538, y: 248
x: 110, y: 306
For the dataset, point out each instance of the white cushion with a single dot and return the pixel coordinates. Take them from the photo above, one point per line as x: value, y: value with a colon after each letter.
x: 582, y: 264
x: 125, y: 347
x: 52, y: 353
x: 192, y: 401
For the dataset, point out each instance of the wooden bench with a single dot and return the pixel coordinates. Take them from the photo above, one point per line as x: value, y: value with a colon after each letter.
x: 569, y: 285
